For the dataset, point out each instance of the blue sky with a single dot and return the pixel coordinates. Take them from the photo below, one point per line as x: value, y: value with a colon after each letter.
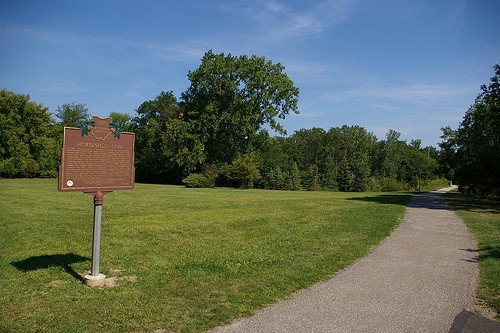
x: 409, y: 65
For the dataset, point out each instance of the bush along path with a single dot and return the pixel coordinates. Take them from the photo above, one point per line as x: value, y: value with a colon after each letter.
x: 418, y: 279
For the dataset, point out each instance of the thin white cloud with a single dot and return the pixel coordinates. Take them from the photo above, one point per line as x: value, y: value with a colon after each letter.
x: 134, y: 95
x: 58, y: 85
x: 106, y: 46
x: 184, y: 50
x: 311, y: 72
x: 456, y: 17
x: 279, y: 22
x: 418, y: 93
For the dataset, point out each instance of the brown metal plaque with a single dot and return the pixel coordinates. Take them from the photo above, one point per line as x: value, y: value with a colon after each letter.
x: 97, y: 157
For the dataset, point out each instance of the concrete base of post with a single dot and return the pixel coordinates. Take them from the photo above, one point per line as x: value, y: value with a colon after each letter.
x: 94, y: 281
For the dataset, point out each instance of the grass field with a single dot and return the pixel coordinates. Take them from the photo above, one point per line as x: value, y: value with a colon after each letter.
x: 482, y: 217
x: 177, y: 259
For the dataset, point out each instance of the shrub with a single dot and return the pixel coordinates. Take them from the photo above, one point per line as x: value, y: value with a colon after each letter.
x: 212, y: 172
x: 374, y: 185
x: 196, y: 180
x: 244, y: 171
x: 391, y: 185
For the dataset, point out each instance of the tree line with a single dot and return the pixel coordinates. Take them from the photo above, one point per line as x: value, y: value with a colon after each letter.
x: 216, y: 134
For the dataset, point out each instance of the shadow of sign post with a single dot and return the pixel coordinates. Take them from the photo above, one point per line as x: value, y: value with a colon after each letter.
x: 97, y: 158
x: 46, y: 261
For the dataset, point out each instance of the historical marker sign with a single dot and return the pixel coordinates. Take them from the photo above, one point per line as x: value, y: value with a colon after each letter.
x: 98, y: 156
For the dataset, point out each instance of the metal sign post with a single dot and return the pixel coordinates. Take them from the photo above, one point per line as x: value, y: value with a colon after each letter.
x: 96, y: 238
x: 95, y: 278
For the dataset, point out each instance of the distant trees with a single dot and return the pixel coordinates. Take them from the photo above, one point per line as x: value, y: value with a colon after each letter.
x: 214, y: 136
x: 28, y: 145
x: 122, y: 120
x: 471, y: 154
x: 70, y: 114
x: 30, y: 138
x: 346, y: 158
x: 215, y: 133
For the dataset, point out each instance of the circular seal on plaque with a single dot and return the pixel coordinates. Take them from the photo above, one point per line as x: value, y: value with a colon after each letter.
x: 69, y: 183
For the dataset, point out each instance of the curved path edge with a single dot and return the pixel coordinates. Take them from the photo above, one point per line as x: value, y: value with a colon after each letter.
x: 417, y: 280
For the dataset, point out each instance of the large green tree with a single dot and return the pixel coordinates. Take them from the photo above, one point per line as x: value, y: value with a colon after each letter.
x: 477, y: 140
x: 167, y: 147
x: 357, y: 150
x: 230, y: 98
x: 391, y: 156
x: 28, y: 147
x: 150, y: 127
x: 447, y: 154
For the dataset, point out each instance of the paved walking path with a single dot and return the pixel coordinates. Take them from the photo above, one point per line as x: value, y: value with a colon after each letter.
x: 417, y: 280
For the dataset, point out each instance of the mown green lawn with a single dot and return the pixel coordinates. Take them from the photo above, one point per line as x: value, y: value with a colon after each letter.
x: 180, y: 260
x: 482, y: 217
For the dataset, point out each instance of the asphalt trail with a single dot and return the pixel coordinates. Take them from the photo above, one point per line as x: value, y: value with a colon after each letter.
x: 417, y: 280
